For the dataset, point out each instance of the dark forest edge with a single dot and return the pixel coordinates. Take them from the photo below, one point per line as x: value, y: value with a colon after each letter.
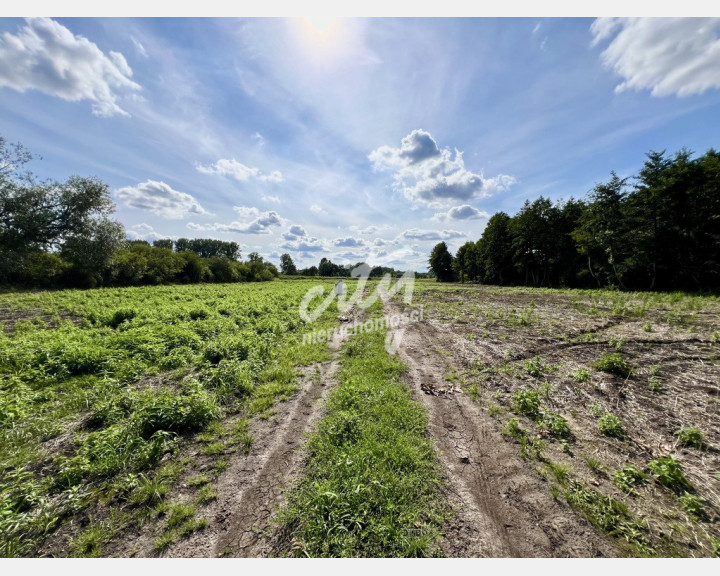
x: 658, y: 230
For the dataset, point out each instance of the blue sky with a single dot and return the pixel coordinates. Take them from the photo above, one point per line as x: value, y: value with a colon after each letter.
x: 353, y: 139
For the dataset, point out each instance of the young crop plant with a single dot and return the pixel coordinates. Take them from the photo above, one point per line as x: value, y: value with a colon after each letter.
x: 556, y: 425
x: 613, y: 364
x: 692, y: 437
x: 668, y: 471
x: 610, y: 425
x: 628, y: 478
x: 581, y: 375
x: 527, y: 402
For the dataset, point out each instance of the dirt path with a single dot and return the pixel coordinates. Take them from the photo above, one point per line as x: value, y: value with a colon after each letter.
x: 504, y: 508
x: 252, y: 489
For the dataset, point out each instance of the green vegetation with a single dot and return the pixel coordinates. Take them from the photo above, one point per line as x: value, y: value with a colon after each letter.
x: 608, y: 514
x: 668, y: 472
x: 527, y: 402
x: 652, y: 231
x: 610, y: 425
x: 122, y: 379
x: 628, y: 478
x: 372, y: 481
x: 691, y: 437
x: 613, y: 364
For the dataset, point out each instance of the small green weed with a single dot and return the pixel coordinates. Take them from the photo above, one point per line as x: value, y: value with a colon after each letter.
x: 610, y: 425
x: 628, y: 478
x: 668, y: 472
x: 691, y: 437
x: 613, y: 364
x: 527, y: 402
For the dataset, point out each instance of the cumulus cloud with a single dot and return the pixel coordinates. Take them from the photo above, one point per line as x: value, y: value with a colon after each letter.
x: 272, y: 199
x: 418, y: 234
x: 464, y: 212
x: 294, y: 232
x: 305, y: 245
x: 233, y: 168
x: 260, y: 224
x: 667, y: 56
x: 426, y: 173
x: 143, y: 231
x: 348, y: 242
x: 46, y: 56
x: 160, y: 199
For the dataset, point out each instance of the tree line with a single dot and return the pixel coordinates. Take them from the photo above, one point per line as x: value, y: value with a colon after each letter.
x: 328, y: 268
x: 60, y: 234
x: 657, y: 230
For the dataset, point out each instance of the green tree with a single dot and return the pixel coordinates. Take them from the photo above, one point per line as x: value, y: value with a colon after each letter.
x: 441, y: 262
x: 287, y: 266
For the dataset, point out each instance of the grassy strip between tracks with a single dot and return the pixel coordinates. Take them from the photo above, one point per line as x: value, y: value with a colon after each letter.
x: 372, y: 486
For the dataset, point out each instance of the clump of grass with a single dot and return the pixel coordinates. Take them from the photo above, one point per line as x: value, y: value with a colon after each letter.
x: 206, y: 494
x: 90, y: 542
x: 561, y: 473
x: 150, y: 491
x: 608, y: 514
x: 647, y: 327
x: 594, y: 464
x: 668, y: 472
x: 513, y: 429
x: 194, y: 525
x: 691, y: 437
x: 221, y: 465
x: 178, y: 514
x: 581, y: 375
x: 613, y: 364
x: 628, y: 478
x: 527, y: 402
x: 610, y: 425
x: 164, y: 541
x: 198, y: 480
x: 693, y: 504
x: 214, y: 449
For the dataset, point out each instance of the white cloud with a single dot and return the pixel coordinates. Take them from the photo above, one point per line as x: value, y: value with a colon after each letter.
x: 160, y: 199
x: 260, y: 224
x: 348, y: 242
x: 143, y: 231
x: 295, y: 232
x: 667, y: 56
x: 426, y: 173
x: 272, y: 199
x: 46, y: 56
x: 304, y: 245
x: 464, y: 212
x: 418, y: 234
x: 139, y: 47
x: 316, y: 209
x: 237, y: 170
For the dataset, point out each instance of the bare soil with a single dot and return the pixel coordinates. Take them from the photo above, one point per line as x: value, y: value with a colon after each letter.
x: 503, y: 507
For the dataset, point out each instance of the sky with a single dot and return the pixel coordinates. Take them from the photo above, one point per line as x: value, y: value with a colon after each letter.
x: 365, y: 139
